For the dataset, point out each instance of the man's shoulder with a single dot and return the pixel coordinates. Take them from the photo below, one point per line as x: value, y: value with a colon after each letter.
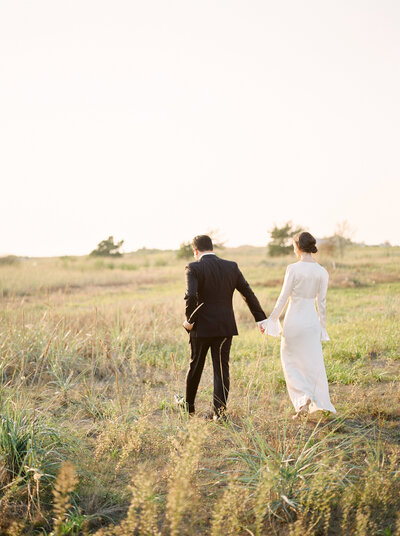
x: 192, y: 265
x: 232, y: 263
x: 197, y: 265
x: 228, y: 263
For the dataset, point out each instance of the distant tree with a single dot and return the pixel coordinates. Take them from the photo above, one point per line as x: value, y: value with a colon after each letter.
x: 107, y: 248
x: 281, y: 239
x: 185, y: 250
x: 327, y: 246
x: 342, y: 237
x: 327, y: 249
x: 215, y: 236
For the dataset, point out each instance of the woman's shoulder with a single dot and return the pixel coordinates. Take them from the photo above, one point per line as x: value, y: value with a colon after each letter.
x: 299, y: 265
x: 322, y: 269
x: 292, y: 266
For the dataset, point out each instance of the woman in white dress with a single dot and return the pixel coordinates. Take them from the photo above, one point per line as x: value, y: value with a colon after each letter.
x: 305, y: 284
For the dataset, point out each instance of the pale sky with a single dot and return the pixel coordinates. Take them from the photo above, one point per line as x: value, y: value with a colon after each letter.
x: 155, y: 120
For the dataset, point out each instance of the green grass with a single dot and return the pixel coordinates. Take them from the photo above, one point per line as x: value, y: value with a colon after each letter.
x: 92, y: 355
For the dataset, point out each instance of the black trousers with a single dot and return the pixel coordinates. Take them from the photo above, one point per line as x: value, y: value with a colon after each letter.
x: 220, y: 349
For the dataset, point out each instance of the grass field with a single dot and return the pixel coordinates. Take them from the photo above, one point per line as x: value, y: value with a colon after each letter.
x: 92, y: 353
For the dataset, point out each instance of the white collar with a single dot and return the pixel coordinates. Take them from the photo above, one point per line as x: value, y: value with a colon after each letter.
x: 208, y: 253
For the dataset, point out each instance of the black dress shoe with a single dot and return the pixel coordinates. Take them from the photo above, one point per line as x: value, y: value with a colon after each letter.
x: 182, y: 404
x: 221, y: 418
x: 179, y: 400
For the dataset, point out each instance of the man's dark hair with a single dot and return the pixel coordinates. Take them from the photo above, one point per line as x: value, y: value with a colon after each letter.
x: 202, y: 243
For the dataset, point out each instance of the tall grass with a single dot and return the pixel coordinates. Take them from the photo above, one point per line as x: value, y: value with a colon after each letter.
x: 28, y: 446
x: 86, y: 375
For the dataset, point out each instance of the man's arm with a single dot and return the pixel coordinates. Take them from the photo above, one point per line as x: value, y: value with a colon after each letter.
x: 191, y: 291
x: 250, y: 298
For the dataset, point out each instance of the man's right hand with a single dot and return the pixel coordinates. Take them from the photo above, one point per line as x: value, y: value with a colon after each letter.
x: 188, y: 326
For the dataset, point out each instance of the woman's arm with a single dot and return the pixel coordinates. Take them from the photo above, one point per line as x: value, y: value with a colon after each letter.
x: 321, y: 303
x: 272, y: 326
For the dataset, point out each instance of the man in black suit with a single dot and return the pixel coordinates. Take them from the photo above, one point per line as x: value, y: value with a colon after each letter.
x: 210, y: 320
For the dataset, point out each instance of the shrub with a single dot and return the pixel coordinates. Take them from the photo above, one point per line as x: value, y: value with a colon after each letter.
x: 128, y: 266
x: 9, y: 259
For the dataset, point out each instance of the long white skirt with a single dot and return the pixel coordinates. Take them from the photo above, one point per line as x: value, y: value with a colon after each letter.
x: 302, y: 360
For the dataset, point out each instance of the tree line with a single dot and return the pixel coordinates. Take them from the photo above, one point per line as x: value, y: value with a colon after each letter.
x: 281, y: 242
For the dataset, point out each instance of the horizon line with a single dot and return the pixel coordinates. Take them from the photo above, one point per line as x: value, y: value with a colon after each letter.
x: 145, y: 248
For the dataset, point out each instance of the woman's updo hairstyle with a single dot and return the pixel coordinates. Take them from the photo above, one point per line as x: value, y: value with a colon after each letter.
x: 305, y: 242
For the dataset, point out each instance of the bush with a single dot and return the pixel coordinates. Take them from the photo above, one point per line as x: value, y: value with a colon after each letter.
x: 128, y: 266
x: 9, y: 259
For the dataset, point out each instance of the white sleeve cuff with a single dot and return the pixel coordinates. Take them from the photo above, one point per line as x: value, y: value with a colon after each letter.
x: 324, y: 335
x: 272, y: 327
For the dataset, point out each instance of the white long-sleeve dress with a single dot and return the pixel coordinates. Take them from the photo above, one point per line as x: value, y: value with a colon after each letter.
x: 304, y: 328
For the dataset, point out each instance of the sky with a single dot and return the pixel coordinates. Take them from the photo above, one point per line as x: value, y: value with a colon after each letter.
x: 157, y: 120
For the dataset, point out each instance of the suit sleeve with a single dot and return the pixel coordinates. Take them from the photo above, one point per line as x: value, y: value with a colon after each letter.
x: 249, y: 297
x: 191, y: 290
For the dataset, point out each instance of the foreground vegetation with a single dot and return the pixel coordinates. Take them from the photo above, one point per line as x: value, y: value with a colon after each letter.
x: 92, y: 353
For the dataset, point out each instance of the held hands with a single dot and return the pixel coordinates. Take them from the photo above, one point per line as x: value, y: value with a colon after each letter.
x: 187, y: 326
x: 262, y: 325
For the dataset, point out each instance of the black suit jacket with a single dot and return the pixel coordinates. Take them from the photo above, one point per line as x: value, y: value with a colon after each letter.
x: 212, y: 281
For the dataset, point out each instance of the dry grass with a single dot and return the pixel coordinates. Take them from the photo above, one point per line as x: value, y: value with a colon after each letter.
x: 86, y: 349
